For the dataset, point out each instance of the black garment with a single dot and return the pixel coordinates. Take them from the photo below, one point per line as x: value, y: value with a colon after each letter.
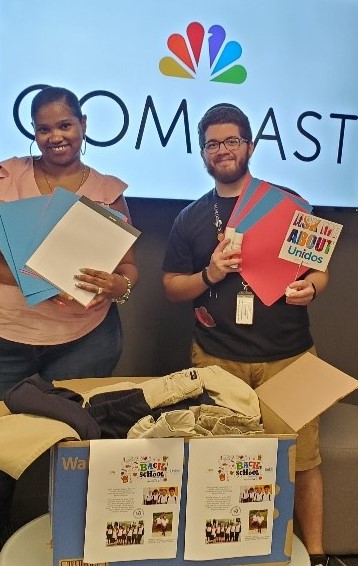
x: 7, y: 486
x: 319, y: 559
x: 279, y: 331
x: 34, y: 396
x: 117, y: 411
x: 202, y: 399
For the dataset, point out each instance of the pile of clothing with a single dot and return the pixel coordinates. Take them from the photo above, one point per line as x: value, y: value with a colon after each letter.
x: 205, y: 401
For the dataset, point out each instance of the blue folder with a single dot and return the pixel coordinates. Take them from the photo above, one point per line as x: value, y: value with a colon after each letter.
x: 24, y: 224
x: 264, y: 205
x: 19, y: 220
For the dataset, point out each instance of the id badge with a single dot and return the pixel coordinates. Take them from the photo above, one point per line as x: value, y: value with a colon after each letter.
x: 245, y: 308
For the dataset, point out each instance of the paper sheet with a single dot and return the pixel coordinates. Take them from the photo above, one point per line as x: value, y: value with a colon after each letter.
x: 86, y: 236
x: 133, y: 499
x: 230, y: 497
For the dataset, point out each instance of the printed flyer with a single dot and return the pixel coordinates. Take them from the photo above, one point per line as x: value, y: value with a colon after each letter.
x: 133, y: 499
x: 230, y: 497
x: 310, y: 241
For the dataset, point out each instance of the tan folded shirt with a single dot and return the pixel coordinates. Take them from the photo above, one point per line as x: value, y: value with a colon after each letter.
x: 23, y: 438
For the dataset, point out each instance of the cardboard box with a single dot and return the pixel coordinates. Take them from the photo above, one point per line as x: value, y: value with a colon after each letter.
x: 288, y: 401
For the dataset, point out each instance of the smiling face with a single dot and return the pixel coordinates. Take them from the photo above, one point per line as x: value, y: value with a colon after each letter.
x: 226, y: 166
x: 59, y: 134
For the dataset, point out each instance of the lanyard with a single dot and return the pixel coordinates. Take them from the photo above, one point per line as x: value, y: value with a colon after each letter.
x: 218, y: 222
x: 221, y: 234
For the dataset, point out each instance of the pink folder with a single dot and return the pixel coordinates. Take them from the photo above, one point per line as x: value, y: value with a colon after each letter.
x: 267, y: 274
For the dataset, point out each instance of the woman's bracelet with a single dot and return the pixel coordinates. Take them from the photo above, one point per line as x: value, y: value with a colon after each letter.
x: 123, y: 298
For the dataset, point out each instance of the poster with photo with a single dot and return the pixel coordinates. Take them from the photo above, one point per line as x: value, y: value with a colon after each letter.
x: 230, y: 497
x: 133, y: 499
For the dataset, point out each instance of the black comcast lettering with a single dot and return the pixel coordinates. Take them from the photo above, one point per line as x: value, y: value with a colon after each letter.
x: 150, y: 113
x: 270, y: 120
x: 16, y: 108
x: 149, y: 108
x: 84, y: 99
x: 122, y: 106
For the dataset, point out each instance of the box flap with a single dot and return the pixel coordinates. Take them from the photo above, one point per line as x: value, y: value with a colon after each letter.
x: 305, y: 389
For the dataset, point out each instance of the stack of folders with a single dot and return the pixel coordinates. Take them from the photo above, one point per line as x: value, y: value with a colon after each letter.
x: 266, y: 223
x: 258, y: 225
x: 47, y: 239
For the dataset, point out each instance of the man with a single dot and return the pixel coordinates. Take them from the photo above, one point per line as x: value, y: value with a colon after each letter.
x: 165, y: 522
x: 237, y: 529
x: 267, y: 493
x: 258, y: 494
x: 260, y: 519
x: 172, y: 498
x: 198, y: 268
x: 163, y: 495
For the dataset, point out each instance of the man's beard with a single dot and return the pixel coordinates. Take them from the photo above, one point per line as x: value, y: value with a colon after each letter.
x: 228, y: 177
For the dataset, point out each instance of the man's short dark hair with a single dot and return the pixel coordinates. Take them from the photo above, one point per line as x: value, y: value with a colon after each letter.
x: 224, y: 113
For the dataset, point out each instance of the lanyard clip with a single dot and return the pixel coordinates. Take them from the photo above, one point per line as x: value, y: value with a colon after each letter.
x: 246, y: 287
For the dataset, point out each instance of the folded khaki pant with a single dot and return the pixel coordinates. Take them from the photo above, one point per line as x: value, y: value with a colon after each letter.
x: 236, y: 424
x: 218, y: 421
x: 203, y: 420
x: 169, y: 425
x: 229, y: 391
x: 226, y: 389
x: 160, y: 391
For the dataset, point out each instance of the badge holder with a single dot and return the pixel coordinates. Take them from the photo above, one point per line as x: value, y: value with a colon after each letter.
x: 245, y: 306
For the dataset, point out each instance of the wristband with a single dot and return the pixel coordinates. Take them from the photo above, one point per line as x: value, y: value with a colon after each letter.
x: 314, y: 291
x: 204, y: 275
x: 123, y: 298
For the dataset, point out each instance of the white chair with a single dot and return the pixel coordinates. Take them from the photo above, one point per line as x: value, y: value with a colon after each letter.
x: 30, y: 545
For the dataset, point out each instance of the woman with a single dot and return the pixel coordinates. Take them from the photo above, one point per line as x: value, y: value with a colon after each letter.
x: 59, y: 338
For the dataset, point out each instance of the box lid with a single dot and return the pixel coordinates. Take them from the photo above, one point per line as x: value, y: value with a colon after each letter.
x: 305, y: 389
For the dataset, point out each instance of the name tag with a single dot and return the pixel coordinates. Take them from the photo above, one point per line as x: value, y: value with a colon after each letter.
x: 244, y: 308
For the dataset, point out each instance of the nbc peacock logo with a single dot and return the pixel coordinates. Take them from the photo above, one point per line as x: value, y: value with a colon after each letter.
x: 192, y: 50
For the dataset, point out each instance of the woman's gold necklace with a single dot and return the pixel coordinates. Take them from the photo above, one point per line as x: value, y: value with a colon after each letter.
x: 83, y: 176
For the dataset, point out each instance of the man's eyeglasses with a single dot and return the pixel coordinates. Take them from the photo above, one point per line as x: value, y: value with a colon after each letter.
x: 230, y: 144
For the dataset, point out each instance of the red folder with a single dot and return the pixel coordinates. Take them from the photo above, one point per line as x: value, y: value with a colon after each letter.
x: 267, y: 274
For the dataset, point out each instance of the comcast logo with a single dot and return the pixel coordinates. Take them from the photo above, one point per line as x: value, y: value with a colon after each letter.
x: 189, y: 50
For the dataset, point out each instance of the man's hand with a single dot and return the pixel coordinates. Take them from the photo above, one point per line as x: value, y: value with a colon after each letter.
x: 223, y: 262
x: 300, y: 293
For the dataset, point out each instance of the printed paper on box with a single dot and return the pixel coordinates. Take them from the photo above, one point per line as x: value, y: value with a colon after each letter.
x: 230, y: 497
x: 133, y: 499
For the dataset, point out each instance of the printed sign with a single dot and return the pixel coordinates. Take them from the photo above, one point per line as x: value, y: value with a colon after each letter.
x: 310, y: 241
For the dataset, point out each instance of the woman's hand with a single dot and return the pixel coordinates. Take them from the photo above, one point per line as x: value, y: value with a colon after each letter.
x: 106, y: 286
